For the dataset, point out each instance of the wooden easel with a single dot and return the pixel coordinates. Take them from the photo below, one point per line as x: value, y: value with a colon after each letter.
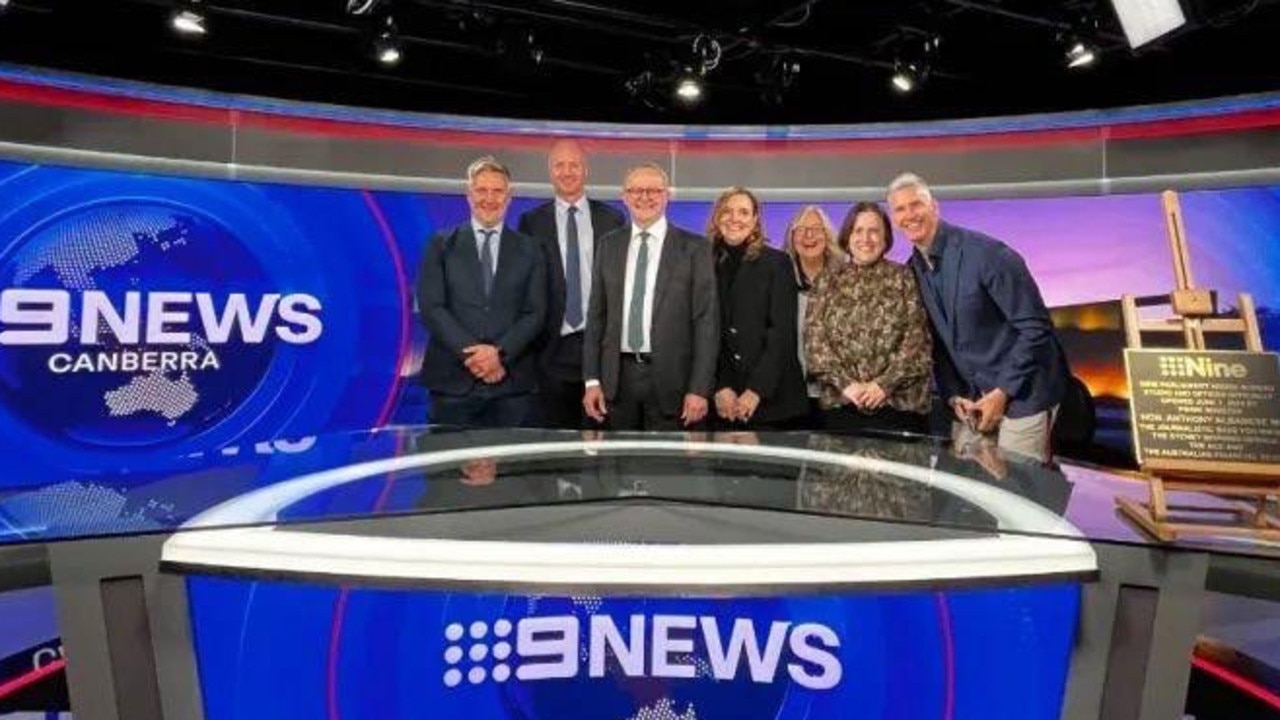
x: 1257, y: 484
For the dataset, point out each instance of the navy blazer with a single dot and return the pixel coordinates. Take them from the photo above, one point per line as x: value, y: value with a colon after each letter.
x: 993, y: 329
x: 453, y: 306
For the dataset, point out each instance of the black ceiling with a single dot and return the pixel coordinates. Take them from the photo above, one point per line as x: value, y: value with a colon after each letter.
x: 993, y: 57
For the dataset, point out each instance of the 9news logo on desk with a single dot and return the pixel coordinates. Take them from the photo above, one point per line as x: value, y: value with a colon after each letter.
x: 654, y: 646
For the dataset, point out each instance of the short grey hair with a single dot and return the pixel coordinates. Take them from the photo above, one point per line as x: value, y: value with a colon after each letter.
x: 488, y: 163
x: 909, y: 180
x: 652, y: 166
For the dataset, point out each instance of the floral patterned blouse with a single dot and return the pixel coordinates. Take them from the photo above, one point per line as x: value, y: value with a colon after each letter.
x: 866, y: 323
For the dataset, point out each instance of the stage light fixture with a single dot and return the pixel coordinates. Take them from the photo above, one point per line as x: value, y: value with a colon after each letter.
x: 387, y: 48
x: 1146, y: 20
x: 706, y: 53
x: 362, y: 7
x: 533, y: 48
x: 905, y: 78
x: 188, y: 20
x: 1081, y: 54
x: 689, y: 88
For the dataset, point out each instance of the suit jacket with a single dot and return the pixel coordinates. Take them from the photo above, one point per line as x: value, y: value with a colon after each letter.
x: 758, y: 335
x: 685, y: 331
x: 453, y: 306
x: 993, y: 330
x: 540, y: 223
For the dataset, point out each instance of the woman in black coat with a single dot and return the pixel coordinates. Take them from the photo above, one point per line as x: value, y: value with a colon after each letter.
x: 759, y: 383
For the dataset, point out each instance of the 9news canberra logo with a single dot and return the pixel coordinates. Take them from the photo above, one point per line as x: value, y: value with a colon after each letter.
x: 133, y: 323
x: 668, y: 646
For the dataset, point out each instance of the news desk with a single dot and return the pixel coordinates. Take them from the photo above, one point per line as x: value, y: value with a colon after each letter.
x: 425, y: 572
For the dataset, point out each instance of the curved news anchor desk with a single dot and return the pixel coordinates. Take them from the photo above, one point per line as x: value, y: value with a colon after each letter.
x: 414, y: 573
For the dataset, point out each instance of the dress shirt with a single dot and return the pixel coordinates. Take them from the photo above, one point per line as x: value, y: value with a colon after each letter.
x: 479, y: 230
x: 586, y: 251
x: 657, y: 234
x: 937, y: 281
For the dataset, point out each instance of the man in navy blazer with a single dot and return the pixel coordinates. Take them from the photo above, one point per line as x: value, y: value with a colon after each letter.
x: 569, y: 228
x: 482, y: 296
x: 996, y: 359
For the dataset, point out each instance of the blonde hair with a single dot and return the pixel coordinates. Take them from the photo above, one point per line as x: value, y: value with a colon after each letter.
x: 755, y: 240
x: 833, y: 250
x: 488, y: 163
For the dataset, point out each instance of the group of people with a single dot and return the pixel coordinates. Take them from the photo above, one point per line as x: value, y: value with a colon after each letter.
x: 583, y: 317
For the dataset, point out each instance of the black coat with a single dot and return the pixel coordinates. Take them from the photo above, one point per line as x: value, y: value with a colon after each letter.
x: 758, y: 335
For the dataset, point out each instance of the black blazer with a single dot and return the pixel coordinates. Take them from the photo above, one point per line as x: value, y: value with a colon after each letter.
x: 539, y: 223
x: 758, y: 335
x: 453, y: 307
x: 685, y: 334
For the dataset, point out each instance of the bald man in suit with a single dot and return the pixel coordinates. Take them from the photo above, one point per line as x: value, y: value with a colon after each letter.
x: 568, y: 228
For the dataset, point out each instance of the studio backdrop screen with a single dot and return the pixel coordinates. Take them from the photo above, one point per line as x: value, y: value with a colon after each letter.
x: 146, y: 317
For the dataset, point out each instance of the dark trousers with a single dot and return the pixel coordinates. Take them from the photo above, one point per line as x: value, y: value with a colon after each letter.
x: 560, y: 387
x: 848, y: 419
x: 480, y: 410
x: 636, y: 406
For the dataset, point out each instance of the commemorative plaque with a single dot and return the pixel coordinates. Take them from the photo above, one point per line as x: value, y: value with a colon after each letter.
x: 1204, y: 410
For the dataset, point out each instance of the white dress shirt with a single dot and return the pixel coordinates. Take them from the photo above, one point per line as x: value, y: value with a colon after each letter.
x: 657, y: 234
x: 586, y: 251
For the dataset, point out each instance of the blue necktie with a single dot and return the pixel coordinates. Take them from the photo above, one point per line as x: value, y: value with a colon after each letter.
x: 572, y: 272
x: 486, y: 259
x: 635, y: 314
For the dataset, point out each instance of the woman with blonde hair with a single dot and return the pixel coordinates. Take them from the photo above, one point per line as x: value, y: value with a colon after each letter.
x: 868, y: 337
x: 759, y: 383
x: 811, y: 244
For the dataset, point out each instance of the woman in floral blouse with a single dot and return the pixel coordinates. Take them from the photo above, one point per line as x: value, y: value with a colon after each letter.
x: 867, y: 338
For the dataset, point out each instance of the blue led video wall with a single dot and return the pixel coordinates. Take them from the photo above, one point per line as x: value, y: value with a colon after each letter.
x: 286, y: 651
x: 145, y: 318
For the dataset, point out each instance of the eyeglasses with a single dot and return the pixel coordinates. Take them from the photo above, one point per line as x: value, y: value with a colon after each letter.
x: 809, y: 230
x: 645, y: 192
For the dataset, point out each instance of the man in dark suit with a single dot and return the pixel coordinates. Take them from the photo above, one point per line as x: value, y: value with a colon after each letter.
x: 653, y: 325
x: 996, y: 358
x: 568, y: 229
x: 482, y: 296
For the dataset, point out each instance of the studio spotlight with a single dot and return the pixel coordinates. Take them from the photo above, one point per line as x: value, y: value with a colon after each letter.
x: 1081, y: 54
x: 4, y: 5
x: 1146, y: 20
x: 362, y: 7
x: 905, y: 78
x: 387, y: 47
x: 689, y: 88
x: 188, y: 21
x: 706, y: 53
x: 532, y: 48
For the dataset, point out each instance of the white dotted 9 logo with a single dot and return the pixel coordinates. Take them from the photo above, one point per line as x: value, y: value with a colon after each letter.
x: 478, y: 650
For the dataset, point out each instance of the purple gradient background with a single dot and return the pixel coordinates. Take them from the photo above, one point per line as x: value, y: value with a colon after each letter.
x: 1080, y: 249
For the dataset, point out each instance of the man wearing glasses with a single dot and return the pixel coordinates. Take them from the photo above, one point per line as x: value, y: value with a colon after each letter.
x: 649, y: 351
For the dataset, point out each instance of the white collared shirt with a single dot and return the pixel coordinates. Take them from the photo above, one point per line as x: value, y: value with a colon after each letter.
x: 657, y: 235
x: 586, y: 251
x: 478, y: 229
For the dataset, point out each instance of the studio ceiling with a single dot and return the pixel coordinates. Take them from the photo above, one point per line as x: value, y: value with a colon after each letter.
x: 820, y: 61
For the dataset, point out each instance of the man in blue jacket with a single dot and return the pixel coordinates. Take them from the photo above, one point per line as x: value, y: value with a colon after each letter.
x: 996, y: 359
x: 482, y: 296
